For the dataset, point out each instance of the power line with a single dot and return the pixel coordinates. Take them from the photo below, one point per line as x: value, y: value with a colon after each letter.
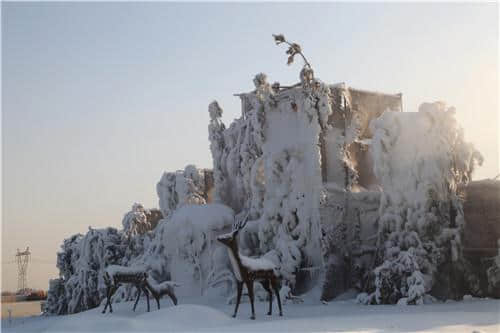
x: 33, y: 260
x: 42, y: 261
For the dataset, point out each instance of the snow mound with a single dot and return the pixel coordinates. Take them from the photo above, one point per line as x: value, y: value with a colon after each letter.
x: 207, y: 217
x: 185, y: 316
x: 192, y: 251
x: 481, y: 315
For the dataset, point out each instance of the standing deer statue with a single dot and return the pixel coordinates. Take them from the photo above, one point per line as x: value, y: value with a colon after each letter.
x: 247, y: 270
x: 115, y: 276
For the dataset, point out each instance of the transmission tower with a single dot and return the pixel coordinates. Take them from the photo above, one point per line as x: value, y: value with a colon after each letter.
x: 22, y: 258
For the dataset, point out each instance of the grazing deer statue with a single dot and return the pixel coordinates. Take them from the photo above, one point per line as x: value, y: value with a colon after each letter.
x: 114, y: 276
x: 164, y: 288
x: 247, y: 270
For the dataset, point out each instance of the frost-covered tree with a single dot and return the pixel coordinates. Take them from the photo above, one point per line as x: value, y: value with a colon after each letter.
x: 140, y: 220
x: 236, y: 151
x: 83, y: 258
x: 420, y: 160
x: 183, y: 187
x: 217, y: 145
x: 56, y: 299
x: 81, y: 263
x: 292, y: 176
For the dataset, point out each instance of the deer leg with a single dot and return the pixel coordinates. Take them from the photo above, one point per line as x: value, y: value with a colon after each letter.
x: 137, y: 299
x: 107, y: 300
x: 172, y: 296
x: 154, y: 294
x: 265, y: 284
x: 275, y: 286
x: 111, y: 293
x: 106, y: 306
x: 250, y: 294
x: 147, y: 296
x: 238, y: 297
x: 157, y: 298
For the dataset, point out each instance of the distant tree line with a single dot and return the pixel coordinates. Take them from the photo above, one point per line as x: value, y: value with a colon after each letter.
x: 32, y: 295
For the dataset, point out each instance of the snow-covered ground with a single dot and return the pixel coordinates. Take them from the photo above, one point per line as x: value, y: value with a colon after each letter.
x: 205, y: 314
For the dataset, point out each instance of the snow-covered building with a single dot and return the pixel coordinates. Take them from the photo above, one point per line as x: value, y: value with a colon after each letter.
x: 345, y: 188
x: 295, y: 158
x: 342, y: 189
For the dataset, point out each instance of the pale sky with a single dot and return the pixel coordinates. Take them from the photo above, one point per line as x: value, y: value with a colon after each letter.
x: 100, y: 98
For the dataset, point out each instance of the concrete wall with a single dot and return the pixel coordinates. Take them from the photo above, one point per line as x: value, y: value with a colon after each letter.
x: 353, y: 110
x: 482, y: 218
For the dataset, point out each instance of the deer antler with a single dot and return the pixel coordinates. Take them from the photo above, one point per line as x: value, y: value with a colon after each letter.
x: 240, y: 224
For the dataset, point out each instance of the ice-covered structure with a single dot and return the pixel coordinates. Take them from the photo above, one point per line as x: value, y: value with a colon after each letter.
x: 289, y: 161
x: 343, y: 190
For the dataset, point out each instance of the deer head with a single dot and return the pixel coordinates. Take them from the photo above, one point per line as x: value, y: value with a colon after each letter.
x: 229, y: 239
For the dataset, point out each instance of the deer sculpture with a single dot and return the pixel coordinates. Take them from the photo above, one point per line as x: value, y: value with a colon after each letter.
x: 115, y: 276
x: 247, y: 270
x: 160, y: 289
